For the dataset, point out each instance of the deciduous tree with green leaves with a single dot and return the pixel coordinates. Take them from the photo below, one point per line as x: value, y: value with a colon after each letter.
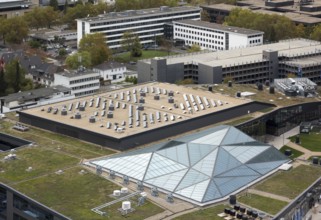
x: 96, y: 46
x: 194, y: 48
x: 79, y: 59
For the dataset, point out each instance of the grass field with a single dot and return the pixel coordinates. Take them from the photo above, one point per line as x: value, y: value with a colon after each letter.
x: 265, y: 204
x: 239, y: 121
x: 204, y: 214
x: 295, y: 153
x: 71, y: 193
x: 287, y: 184
x: 74, y: 194
x: 310, y: 141
x: 125, y: 57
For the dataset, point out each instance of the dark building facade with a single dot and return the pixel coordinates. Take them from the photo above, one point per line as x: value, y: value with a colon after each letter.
x: 16, y: 206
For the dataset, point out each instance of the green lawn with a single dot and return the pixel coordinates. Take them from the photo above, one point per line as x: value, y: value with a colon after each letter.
x: 52, y: 140
x: 205, y: 214
x: 74, y: 195
x: 239, y: 121
x: 42, y: 161
x: 265, y: 204
x: 310, y: 141
x: 286, y: 183
x: 295, y: 153
x: 125, y: 57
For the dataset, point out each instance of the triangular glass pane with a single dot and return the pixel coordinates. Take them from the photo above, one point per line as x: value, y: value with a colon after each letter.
x: 212, y: 139
x: 177, y: 153
x: 266, y: 167
x: 160, y: 165
x: 239, y: 171
x: 192, y: 177
x: 271, y: 154
x: 235, y: 136
x: 227, y: 185
x: 195, y: 192
x: 212, y: 193
x: 245, y: 153
x: 132, y: 166
x: 206, y: 165
x: 225, y: 162
x: 171, y: 144
x: 198, y: 151
x: 168, y: 182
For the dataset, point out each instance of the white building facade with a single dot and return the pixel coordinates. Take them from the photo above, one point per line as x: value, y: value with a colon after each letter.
x: 147, y: 23
x: 80, y: 83
x: 112, y: 71
x: 214, y: 36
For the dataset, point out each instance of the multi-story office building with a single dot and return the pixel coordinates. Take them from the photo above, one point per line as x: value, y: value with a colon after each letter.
x: 81, y: 82
x: 13, y: 8
x: 306, y: 12
x: 213, y: 36
x: 147, y: 23
x: 243, y: 65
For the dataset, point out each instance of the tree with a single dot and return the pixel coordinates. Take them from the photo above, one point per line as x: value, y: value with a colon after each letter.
x: 79, y: 59
x: 205, y: 16
x: 128, y: 40
x: 54, y: 4
x: 165, y: 43
x: 62, y: 52
x: 95, y: 45
x: 316, y: 33
x: 66, y: 7
x: 14, y: 76
x: 15, y: 30
x: 3, y: 28
x: 194, y: 48
x: 50, y: 16
x: 136, y: 50
x: 35, y: 18
x: 3, y: 83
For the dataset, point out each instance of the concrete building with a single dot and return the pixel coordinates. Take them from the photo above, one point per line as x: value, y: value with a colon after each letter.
x: 244, y: 65
x: 213, y: 36
x: 111, y: 71
x: 147, y: 23
x: 13, y: 8
x: 81, y: 83
x: 48, y: 36
x: 305, y: 12
x: 33, y: 98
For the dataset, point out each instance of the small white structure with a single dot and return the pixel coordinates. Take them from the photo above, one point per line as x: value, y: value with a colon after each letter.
x: 126, y: 205
x: 116, y: 193
x: 112, y: 71
x: 124, y: 190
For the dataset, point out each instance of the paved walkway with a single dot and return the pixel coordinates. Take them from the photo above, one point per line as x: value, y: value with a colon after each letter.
x: 269, y: 195
x: 280, y: 141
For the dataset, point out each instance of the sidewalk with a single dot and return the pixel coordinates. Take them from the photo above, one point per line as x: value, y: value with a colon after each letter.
x: 280, y: 141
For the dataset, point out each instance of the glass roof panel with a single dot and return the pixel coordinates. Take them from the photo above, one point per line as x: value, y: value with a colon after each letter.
x: 212, y: 139
x: 199, y: 151
x: 234, y: 136
x: 160, y: 165
x: 264, y: 168
x: 207, y: 164
x: 211, y: 193
x: 245, y: 153
x: 168, y: 182
x: 227, y: 185
x: 271, y: 154
x: 178, y: 153
x: 240, y: 171
x: 133, y: 166
x: 225, y: 162
x: 191, y: 178
x: 195, y: 192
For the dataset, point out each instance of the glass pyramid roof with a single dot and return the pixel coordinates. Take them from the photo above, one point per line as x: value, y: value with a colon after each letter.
x: 202, y: 167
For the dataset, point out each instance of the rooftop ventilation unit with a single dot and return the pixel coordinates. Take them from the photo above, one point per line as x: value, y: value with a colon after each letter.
x: 77, y: 115
x: 110, y: 115
x: 92, y: 119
